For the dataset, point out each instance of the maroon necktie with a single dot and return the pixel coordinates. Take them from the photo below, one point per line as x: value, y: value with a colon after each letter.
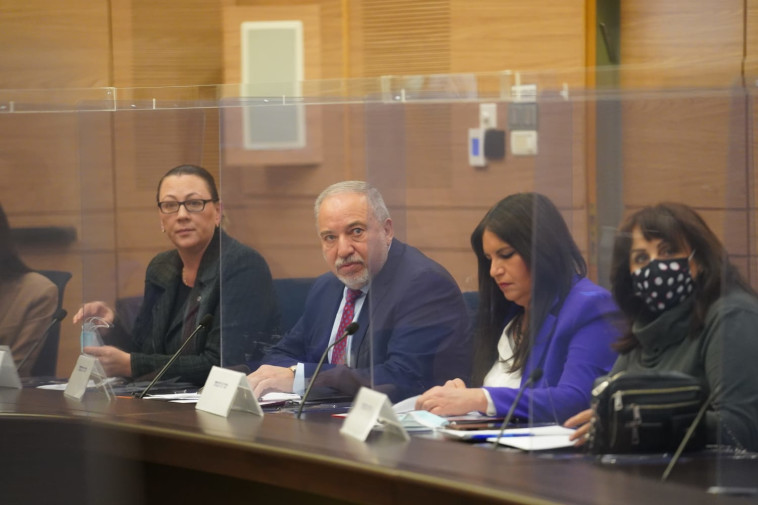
x: 348, y: 313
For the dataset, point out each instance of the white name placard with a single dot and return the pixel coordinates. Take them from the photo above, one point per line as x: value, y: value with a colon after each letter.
x: 227, y: 390
x: 87, y: 368
x: 369, y: 408
x: 8, y: 373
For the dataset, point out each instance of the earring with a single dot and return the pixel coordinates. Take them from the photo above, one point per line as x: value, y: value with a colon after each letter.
x: 163, y: 230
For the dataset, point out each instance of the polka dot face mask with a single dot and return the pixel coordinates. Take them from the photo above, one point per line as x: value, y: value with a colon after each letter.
x: 663, y: 284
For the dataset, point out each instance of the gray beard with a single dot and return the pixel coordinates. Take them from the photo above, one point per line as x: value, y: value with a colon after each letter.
x: 356, y: 282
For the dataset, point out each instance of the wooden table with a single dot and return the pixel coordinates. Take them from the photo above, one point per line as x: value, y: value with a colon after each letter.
x: 56, y: 450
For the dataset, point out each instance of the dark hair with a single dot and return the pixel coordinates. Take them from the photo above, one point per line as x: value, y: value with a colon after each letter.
x: 679, y: 226
x: 530, y: 223
x: 191, y: 170
x: 11, y: 265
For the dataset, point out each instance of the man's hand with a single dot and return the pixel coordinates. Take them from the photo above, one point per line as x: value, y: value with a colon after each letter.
x: 116, y: 362
x: 271, y: 378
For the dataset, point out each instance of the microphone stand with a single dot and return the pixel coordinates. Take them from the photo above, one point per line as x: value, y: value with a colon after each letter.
x: 687, y: 436
x: 351, y: 328
x: 533, y: 377
x: 59, y: 315
x: 204, y: 323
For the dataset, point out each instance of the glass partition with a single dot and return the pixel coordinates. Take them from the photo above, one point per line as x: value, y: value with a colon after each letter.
x: 442, y: 151
x: 131, y: 262
x: 687, y: 146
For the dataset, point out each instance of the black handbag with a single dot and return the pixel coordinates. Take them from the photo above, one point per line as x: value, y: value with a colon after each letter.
x: 645, y: 412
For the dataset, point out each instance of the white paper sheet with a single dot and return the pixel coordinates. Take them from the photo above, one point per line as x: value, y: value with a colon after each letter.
x: 540, y: 438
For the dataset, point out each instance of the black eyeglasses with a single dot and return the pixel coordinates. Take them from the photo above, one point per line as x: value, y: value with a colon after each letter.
x: 172, y: 207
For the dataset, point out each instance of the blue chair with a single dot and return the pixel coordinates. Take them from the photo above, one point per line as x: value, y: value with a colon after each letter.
x: 291, y: 294
x: 472, y: 305
x: 47, y: 359
x: 127, y: 309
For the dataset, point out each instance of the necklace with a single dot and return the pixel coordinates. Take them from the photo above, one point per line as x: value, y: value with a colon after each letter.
x: 184, y: 279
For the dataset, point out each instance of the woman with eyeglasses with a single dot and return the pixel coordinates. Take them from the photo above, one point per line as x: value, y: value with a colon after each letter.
x: 183, y: 285
x: 689, y: 310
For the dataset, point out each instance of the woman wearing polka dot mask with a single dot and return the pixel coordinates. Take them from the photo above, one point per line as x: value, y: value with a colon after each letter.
x: 689, y: 310
x: 659, y: 279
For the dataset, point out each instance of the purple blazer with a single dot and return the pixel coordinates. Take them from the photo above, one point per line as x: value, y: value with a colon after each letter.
x: 572, y: 347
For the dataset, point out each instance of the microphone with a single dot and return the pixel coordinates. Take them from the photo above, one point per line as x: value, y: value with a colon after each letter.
x: 351, y: 328
x: 688, y: 435
x: 59, y: 315
x: 204, y: 323
x: 533, y: 377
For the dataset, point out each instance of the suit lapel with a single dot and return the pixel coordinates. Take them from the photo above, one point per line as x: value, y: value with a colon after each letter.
x: 380, y: 284
x: 541, y: 344
x: 164, y: 280
x: 364, y: 321
x: 378, y: 290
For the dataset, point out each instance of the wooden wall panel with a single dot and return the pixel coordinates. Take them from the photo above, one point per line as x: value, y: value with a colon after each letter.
x: 494, y: 35
x: 396, y: 37
x: 459, y: 36
x: 167, y: 43
x: 52, y: 44
x: 678, y: 148
x: 751, y: 42
x: 688, y: 43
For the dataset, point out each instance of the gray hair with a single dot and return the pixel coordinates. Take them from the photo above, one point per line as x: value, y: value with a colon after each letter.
x: 374, y: 198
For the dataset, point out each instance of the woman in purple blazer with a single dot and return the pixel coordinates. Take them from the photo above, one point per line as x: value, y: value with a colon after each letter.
x: 537, y: 310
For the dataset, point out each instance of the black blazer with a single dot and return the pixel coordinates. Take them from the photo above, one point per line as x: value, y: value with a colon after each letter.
x: 249, y: 318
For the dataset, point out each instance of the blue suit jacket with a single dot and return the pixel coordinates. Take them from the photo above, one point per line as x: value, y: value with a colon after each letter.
x: 572, y: 347
x: 413, y: 320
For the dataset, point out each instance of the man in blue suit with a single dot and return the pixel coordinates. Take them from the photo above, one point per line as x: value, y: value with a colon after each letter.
x: 411, y: 314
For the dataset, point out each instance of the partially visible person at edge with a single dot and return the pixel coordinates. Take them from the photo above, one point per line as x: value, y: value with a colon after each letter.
x: 411, y: 314
x: 688, y: 310
x: 184, y: 284
x: 27, y: 302
x: 537, y: 310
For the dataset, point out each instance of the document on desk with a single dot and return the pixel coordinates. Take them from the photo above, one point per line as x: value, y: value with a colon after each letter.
x: 265, y: 400
x: 540, y: 438
x: 536, y: 438
x: 276, y: 397
x: 176, y: 397
x: 405, y: 406
x: 61, y: 386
